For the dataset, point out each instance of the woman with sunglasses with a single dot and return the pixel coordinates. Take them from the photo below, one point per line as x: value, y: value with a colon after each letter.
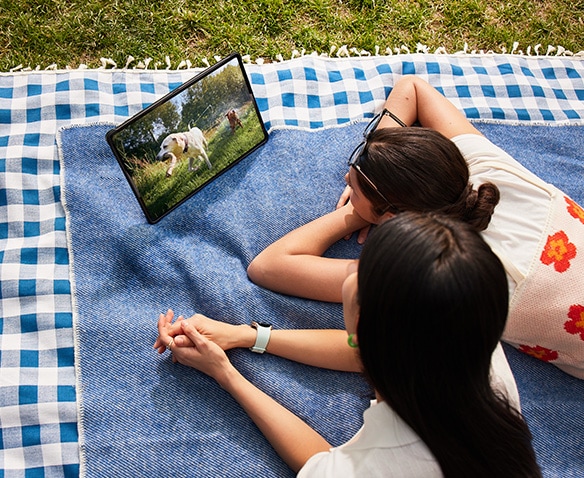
x: 433, y: 417
x: 446, y: 165
x: 394, y: 169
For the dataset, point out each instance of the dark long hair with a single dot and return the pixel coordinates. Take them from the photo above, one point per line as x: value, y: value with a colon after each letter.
x: 433, y: 304
x: 419, y: 169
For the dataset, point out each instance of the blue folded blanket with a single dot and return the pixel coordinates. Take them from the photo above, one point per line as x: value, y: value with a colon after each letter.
x: 142, y: 415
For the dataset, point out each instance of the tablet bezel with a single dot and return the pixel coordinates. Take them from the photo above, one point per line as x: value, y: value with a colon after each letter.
x: 111, y: 137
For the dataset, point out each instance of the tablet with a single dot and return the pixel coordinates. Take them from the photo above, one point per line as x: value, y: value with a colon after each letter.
x: 177, y: 145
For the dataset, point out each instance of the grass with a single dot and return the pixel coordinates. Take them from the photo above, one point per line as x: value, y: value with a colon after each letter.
x: 74, y: 32
x: 224, y: 149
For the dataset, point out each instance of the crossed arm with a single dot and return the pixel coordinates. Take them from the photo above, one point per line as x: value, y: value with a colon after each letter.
x: 413, y: 99
x: 294, y: 264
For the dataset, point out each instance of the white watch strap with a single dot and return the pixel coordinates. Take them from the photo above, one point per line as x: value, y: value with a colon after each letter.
x: 262, y: 338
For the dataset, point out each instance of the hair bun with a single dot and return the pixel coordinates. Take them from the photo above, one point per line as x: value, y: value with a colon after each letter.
x: 474, y: 206
x: 481, y: 204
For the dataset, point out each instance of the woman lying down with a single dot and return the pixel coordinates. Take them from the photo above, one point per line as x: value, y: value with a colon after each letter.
x: 447, y: 404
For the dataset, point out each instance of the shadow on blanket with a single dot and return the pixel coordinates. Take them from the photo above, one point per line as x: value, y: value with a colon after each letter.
x: 143, y: 414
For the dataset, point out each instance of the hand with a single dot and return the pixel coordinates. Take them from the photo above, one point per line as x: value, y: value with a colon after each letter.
x: 226, y: 336
x: 345, y: 196
x: 363, y: 233
x: 204, y: 355
x: 171, y: 330
x: 344, y: 200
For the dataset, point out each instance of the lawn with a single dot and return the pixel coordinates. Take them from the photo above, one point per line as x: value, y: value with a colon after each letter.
x: 70, y: 33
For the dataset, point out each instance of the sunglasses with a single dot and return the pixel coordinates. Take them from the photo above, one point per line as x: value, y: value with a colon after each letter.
x: 359, y: 153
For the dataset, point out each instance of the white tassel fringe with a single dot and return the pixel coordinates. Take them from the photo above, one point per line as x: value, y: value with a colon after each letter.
x: 340, y: 52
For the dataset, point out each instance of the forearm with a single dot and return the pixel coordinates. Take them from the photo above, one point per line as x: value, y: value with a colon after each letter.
x: 306, y: 276
x: 325, y: 348
x: 318, y: 235
x: 294, y: 264
x: 291, y: 437
x: 413, y: 99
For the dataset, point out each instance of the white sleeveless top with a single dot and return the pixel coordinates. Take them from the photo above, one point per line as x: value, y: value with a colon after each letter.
x: 538, y: 233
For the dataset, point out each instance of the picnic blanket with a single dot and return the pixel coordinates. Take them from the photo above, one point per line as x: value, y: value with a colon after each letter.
x: 82, y: 391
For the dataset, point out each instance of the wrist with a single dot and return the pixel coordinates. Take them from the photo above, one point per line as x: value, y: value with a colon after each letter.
x: 263, y: 333
x: 228, y: 378
x: 245, y: 337
x: 353, y: 219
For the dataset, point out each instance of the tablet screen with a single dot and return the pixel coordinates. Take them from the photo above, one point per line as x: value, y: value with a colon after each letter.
x: 177, y: 145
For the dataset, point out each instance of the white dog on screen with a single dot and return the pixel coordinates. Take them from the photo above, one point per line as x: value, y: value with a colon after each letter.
x: 190, y: 144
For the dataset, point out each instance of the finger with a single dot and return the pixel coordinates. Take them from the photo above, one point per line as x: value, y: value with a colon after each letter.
x: 170, y: 329
x: 161, y: 347
x: 175, y: 328
x: 165, y: 338
x: 193, y: 334
x: 168, y: 318
x: 363, y: 233
x: 158, y: 341
x: 183, y: 341
x: 169, y: 315
x: 344, y: 197
x: 161, y: 326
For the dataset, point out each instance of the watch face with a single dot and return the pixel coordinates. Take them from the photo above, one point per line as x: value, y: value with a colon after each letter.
x: 263, y: 324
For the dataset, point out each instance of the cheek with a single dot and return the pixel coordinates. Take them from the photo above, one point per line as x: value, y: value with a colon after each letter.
x: 361, y: 204
x: 364, y: 209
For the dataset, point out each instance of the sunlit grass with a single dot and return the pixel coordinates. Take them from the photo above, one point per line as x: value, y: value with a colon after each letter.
x: 73, y: 32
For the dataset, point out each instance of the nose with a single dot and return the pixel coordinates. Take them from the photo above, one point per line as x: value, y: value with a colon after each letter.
x: 163, y: 156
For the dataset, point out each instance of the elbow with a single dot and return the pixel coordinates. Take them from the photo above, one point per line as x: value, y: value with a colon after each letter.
x: 257, y: 270
x: 270, y: 269
x: 411, y: 81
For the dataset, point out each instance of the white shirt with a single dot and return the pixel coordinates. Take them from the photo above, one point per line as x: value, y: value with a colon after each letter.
x: 519, y: 219
x: 386, y: 446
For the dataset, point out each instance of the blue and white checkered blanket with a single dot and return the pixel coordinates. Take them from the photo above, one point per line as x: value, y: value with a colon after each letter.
x: 38, y: 396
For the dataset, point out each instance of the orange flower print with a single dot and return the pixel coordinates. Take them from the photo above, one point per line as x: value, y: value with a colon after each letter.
x: 541, y: 353
x: 558, y: 251
x: 575, y: 209
x: 575, y: 326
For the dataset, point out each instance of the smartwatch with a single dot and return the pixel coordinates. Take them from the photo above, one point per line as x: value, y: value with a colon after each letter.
x: 262, y: 338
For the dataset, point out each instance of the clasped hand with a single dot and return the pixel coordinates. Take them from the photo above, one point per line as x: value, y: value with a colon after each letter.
x: 199, y: 342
